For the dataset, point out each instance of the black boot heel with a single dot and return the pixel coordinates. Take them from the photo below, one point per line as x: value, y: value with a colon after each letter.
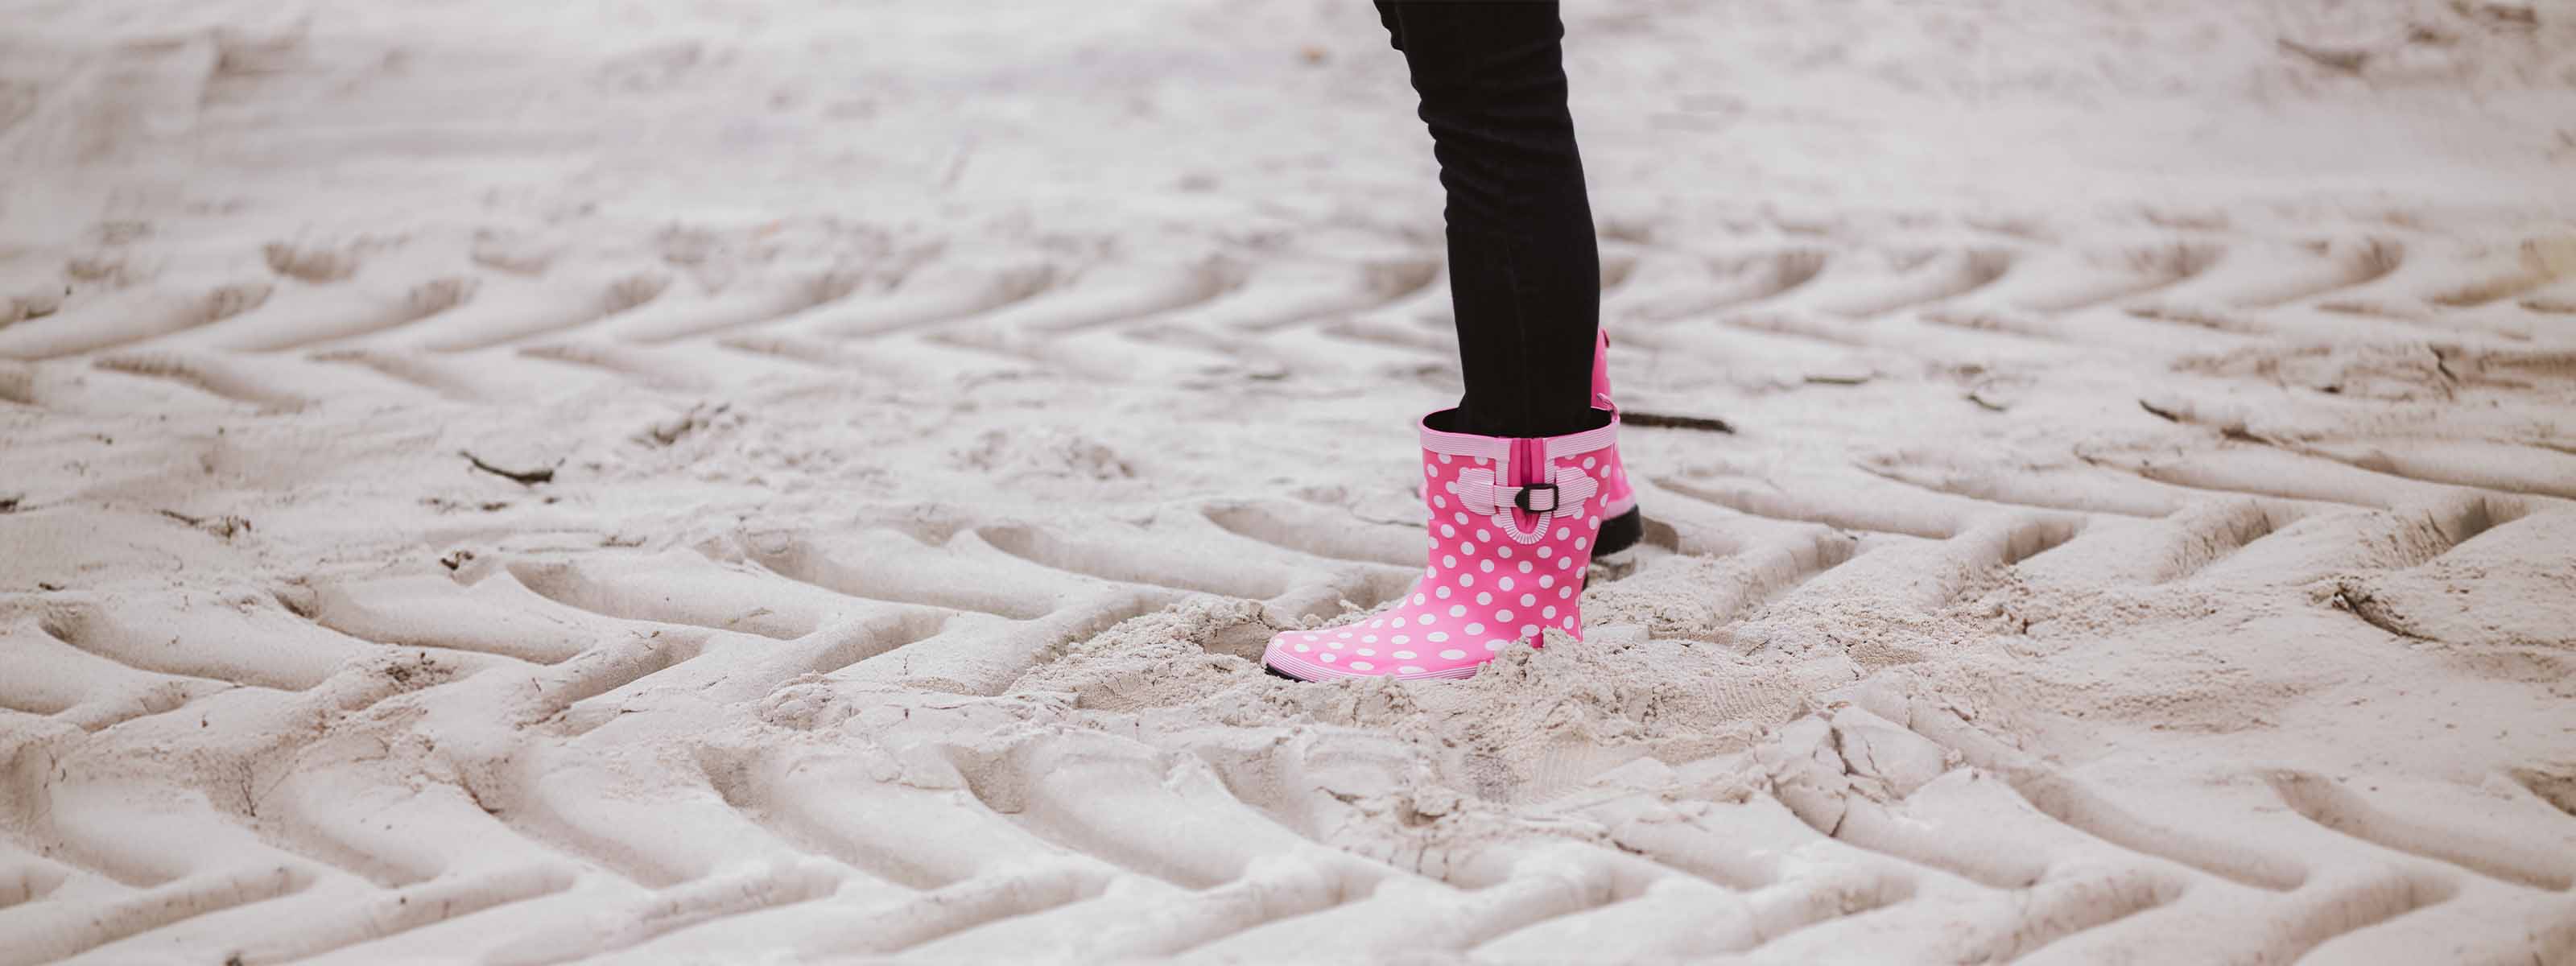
x: 1619, y: 533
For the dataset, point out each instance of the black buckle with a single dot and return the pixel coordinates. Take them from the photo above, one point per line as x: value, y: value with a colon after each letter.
x: 1522, y: 498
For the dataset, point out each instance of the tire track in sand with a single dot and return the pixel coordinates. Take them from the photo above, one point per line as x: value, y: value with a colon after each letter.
x: 42, y: 942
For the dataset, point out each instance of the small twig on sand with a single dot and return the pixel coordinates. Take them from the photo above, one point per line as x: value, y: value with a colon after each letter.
x: 2233, y: 429
x: 521, y: 477
x: 223, y: 526
x: 2361, y: 604
x: 957, y: 165
x: 2348, y: 61
x: 1668, y: 421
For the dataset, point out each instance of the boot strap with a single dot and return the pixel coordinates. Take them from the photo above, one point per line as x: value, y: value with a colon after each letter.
x: 1481, y: 496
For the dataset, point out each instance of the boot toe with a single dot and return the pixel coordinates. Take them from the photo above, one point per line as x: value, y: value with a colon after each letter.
x: 1308, y: 656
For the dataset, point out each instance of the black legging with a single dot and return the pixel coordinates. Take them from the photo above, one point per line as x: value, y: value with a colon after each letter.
x: 1524, y: 270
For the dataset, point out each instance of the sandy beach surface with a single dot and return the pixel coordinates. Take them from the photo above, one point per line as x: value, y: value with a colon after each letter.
x: 809, y: 481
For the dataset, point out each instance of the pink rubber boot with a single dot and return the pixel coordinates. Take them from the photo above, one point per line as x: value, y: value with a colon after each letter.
x: 1513, y: 525
x: 1621, y: 527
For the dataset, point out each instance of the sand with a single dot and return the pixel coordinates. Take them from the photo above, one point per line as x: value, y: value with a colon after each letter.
x: 808, y: 482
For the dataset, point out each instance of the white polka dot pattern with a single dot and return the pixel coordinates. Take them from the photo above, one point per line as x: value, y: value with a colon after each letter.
x: 1483, y: 584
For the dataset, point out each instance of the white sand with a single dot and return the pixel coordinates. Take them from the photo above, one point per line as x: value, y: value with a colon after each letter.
x: 2146, y: 538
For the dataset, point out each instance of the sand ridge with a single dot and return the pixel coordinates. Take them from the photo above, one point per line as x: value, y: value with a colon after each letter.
x: 796, y: 482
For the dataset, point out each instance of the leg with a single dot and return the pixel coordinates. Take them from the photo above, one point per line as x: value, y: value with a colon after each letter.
x: 1517, y: 481
x: 1524, y: 269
